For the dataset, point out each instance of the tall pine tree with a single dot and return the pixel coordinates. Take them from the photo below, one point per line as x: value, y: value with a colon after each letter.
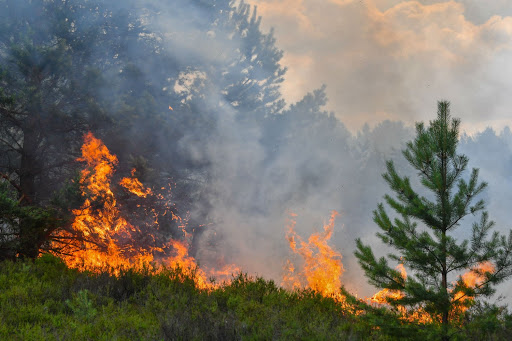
x: 422, y: 230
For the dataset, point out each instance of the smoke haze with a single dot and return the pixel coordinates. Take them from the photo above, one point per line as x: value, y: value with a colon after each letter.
x: 258, y: 160
x: 386, y: 59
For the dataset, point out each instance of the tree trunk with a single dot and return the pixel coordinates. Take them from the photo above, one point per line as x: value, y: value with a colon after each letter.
x: 444, y: 202
x: 28, y: 233
x: 445, y: 317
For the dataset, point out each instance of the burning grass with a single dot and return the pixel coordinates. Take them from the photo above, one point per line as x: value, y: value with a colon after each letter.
x: 101, y: 238
x: 322, y: 267
x: 470, y: 280
x: 101, y: 242
x: 45, y: 300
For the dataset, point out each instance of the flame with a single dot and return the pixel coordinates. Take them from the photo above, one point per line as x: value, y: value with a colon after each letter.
x: 91, y: 219
x: 322, y: 267
x: 474, y: 278
x: 135, y: 186
x: 382, y: 296
x: 100, y: 238
x: 471, y: 279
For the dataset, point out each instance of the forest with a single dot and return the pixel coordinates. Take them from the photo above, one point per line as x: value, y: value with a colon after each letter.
x: 156, y: 185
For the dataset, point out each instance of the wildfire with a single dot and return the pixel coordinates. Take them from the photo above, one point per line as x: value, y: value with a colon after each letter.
x: 471, y: 279
x: 100, y: 238
x: 322, y: 267
x: 135, y: 186
x: 95, y: 178
x: 381, y: 296
x: 474, y: 278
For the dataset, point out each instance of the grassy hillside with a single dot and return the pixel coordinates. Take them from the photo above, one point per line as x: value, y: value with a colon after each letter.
x: 44, y: 300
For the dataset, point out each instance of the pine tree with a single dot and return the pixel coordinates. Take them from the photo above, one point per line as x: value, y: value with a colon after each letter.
x: 50, y: 76
x: 110, y: 67
x: 422, y: 230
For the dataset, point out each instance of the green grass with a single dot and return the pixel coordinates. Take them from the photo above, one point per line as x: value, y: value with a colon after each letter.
x: 44, y: 300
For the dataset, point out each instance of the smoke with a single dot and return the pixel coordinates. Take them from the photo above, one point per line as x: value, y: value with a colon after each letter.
x: 248, y: 162
x: 302, y: 160
x: 385, y: 59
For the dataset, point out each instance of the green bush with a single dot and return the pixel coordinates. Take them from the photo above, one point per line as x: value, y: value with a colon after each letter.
x: 44, y: 300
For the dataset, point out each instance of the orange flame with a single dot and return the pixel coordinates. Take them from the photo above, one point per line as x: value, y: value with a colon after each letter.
x: 322, y: 267
x: 471, y: 279
x: 381, y: 296
x: 101, y: 239
x: 135, y: 186
x: 474, y: 278
x: 106, y: 239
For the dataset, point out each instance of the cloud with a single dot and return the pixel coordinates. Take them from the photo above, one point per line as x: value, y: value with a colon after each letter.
x: 383, y: 59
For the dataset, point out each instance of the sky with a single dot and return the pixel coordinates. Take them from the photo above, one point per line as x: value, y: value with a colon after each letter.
x: 391, y: 59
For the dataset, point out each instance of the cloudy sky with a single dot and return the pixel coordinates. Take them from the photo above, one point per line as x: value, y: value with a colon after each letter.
x: 393, y: 59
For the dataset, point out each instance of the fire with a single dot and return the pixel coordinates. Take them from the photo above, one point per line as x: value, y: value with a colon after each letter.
x: 322, y: 267
x: 381, y: 296
x: 96, y: 181
x: 100, y: 238
x: 135, y: 186
x: 471, y: 279
x: 474, y: 278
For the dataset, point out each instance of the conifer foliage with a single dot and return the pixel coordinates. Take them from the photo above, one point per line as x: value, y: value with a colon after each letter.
x: 422, y: 229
